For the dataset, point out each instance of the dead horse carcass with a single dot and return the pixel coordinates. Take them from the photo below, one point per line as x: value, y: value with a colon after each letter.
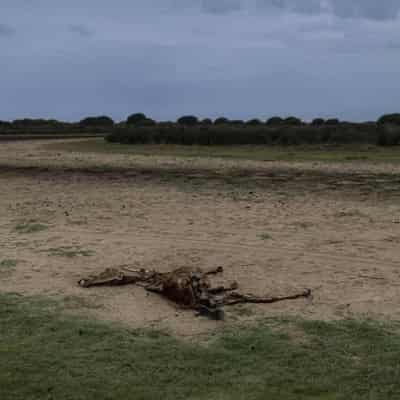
x: 187, y: 287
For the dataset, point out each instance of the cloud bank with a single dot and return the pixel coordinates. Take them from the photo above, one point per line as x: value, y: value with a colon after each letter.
x: 239, y: 58
x: 6, y: 30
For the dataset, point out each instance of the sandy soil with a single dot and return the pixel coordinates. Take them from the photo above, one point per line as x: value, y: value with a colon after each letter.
x: 274, y: 227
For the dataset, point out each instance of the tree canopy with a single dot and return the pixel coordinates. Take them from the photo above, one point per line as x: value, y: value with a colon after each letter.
x: 221, y: 121
x: 188, y: 120
x: 102, y: 120
x: 135, y: 119
x: 393, y: 119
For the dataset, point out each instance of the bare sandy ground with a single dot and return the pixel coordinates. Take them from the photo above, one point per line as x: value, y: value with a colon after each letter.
x: 274, y: 227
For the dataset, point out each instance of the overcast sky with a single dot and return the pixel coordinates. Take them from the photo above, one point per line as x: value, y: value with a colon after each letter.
x: 237, y: 58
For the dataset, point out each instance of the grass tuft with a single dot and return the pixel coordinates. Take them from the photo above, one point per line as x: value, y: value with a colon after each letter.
x: 72, y: 302
x: 30, y: 227
x: 68, y: 251
x: 7, y: 265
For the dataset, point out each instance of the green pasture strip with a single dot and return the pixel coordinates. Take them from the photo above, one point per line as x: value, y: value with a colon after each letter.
x: 45, y: 354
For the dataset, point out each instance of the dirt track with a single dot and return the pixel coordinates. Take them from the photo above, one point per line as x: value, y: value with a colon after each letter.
x: 274, y: 227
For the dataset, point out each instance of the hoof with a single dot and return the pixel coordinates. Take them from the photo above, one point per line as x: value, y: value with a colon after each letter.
x: 83, y: 283
x: 216, y: 314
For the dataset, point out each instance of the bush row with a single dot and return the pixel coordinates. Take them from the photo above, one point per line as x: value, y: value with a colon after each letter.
x: 257, y: 135
x: 138, y: 128
x: 47, y: 130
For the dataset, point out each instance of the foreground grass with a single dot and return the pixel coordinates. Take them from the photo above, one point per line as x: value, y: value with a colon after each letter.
x: 44, y: 355
x: 259, y: 153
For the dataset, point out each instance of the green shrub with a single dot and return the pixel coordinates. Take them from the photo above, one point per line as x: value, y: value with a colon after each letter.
x: 388, y: 135
x: 232, y: 134
x: 274, y: 121
x: 254, y: 122
x: 135, y: 119
x: 146, y: 122
x: 393, y: 119
x: 5, y: 124
x: 332, y: 121
x: 188, y: 120
x: 293, y: 121
x: 221, y: 121
x: 102, y: 120
x: 318, y: 122
x: 29, y: 122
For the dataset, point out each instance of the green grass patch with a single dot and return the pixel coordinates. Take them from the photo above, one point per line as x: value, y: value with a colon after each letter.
x: 241, y: 310
x: 7, y: 265
x: 343, y: 153
x: 72, y: 302
x: 45, y: 355
x: 265, y: 236
x: 30, y: 227
x: 68, y: 251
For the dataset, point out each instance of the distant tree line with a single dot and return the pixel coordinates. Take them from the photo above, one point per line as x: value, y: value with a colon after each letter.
x: 189, y: 129
x: 260, y: 135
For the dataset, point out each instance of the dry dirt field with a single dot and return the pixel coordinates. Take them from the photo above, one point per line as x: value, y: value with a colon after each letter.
x: 274, y: 227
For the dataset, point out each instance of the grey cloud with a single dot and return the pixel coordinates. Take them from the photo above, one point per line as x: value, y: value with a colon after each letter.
x: 393, y: 44
x: 80, y: 29
x: 372, y: 9
x: 307, y: 7
x: 221, y: 6
x: 368, y: 9
x: 6, y: 30
x: 241, y: 58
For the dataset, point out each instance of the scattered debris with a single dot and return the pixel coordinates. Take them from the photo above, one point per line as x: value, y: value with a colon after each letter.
x: 187, y: 287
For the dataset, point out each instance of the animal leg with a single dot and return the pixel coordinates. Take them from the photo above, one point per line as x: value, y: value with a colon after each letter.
x: 223, y: 289
x: 115, y: 277
x: 155, y: 288
x: 214, y: 271
x: 237, y: 298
